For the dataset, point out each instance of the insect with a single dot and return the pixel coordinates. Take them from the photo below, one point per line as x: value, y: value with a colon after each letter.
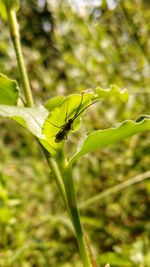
x: 67, y: 126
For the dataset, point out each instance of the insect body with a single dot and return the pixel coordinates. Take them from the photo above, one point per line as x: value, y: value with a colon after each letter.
x: 66, y: 127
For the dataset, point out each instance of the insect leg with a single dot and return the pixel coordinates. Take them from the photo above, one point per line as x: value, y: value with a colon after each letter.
x: 87, y: 107
x: 66, y: 136
x: 54, y: 124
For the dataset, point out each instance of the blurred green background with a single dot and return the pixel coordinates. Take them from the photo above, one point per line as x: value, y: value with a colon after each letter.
x: 70, y: 46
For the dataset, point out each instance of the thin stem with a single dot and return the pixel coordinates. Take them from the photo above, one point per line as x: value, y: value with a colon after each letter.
x: 82, y: 241
x: 67, y: 191
x: 70, y: 203
x: 54, y: 167
x: 68, y: 195
x: 14, y: 32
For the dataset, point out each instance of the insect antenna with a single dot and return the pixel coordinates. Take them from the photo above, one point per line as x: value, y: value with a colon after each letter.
x: 78, y: 107
x: 66, y: 117
x: 77, y: 115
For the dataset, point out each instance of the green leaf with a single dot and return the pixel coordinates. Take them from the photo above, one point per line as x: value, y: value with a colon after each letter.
x: 65, y: 109
x: 8, y: 4
x: 11, y: 4
x: 31, y: 118
x: 54, y: 102
x: 102, y: 138
x: 3, y: 10
x: 113, y: 91
x: 9, y: 92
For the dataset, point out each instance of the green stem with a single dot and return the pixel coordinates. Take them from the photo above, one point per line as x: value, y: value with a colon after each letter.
x: 58, y: 179
x: 82, y: 241
x: 68, y: 195
x: 14, y: 32
x: 67, y: 191
x: 54, y: 167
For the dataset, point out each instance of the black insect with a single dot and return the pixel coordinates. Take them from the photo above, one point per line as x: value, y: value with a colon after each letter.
x: 67, y: 126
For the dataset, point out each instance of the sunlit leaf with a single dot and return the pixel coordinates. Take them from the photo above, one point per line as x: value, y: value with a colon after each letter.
x: 113, y: 91
x: 11, y: 4
x: 54, y: 102
x: 8, y: 4
x: 65, y: 108
x: 102, y: 138
x: 3, y: 10
x: 30, y: 118
x: 9, y: 91
x: 71, y: 105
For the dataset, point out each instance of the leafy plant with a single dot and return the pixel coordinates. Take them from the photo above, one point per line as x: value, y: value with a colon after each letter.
x: 52, y: 123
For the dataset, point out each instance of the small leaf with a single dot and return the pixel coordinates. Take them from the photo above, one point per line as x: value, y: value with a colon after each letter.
x: 65, y: 109
x: 9, y: 92
x: 54, y: 102
x: 3, y: 10
x: 113, y: 91
x: 102, y: 138
x: 31, y: 118
x: 11, y: 4
x: 8, y: 4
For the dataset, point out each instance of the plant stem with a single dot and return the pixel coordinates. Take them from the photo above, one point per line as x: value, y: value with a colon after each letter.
x: 88, y: 261
x: 67, y: 191
x: 58, y: 179
x: 14, y: 32
x: 54, y: 167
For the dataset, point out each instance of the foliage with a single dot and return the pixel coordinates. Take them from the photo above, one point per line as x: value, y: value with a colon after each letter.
x: 9, y: 92
x: 86, y: 49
